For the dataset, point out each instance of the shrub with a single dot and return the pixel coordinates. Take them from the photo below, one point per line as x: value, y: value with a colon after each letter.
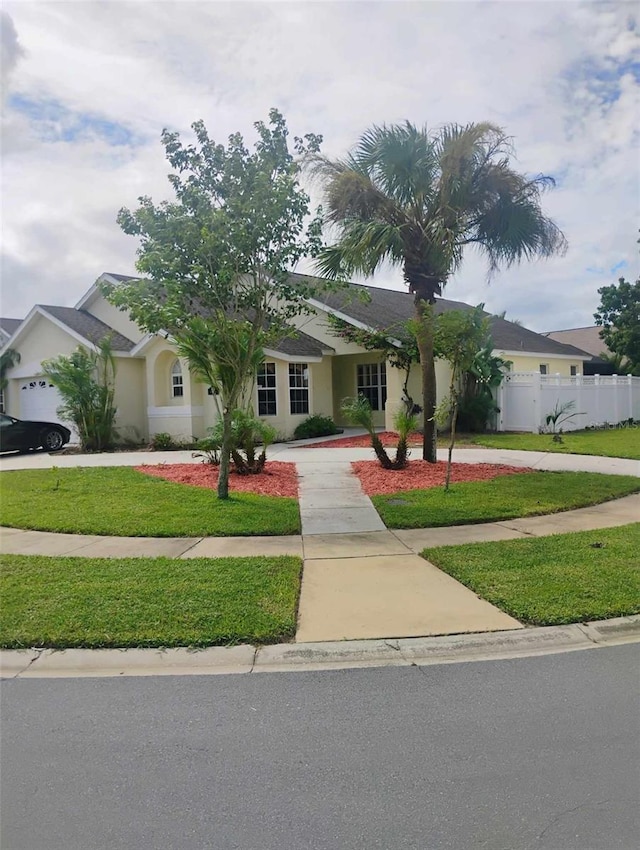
x: 247, y: 433
x: 316, y: 426
x: 208, y: 448
x: 86, y: 383
x: 162, y: 442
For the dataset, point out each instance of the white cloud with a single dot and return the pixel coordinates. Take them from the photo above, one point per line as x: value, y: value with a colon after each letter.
x: 558, y: 76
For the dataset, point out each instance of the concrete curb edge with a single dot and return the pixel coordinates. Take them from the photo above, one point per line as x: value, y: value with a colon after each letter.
x: 334, y: 655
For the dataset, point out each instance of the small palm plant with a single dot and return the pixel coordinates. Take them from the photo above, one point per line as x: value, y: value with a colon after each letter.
x: 558, y: 416
x: 358, y: 411
x: 247, y: 433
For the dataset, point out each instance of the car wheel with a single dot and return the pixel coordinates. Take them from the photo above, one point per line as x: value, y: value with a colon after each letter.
x: 52, y: 440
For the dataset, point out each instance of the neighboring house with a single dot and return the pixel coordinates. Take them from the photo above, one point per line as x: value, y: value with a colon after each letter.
x: 589, y: 340
x: 7, y: 329
x: 308, y: 373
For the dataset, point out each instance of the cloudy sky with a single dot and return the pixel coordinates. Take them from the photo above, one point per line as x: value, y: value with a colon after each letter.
x: 89, y: 86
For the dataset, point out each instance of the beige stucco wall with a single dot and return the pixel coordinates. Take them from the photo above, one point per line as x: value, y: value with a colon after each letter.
x: 43, y: 341
x: 114, y: 317
x: 320, y: 395
x: 131, y: 399
x: 316, y: 326
x: 395, y: 380
x: 531, y: 363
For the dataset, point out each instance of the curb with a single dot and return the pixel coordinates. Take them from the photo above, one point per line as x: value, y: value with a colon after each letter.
x: 334, y: 655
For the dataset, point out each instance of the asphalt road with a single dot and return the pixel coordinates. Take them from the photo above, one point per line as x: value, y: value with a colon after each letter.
x: 529, y: 754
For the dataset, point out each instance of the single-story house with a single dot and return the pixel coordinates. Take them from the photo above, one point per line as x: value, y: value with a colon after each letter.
x: 307, y: 373
x: 589, y: 340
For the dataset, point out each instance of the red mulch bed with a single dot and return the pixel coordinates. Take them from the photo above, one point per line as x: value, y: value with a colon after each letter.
x: 420, y: 475
x: 278, y: 479
x: 388, y: 439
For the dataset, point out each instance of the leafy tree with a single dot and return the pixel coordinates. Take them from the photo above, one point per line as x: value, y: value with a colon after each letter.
x: 619, y: 317
x: 397, y: 344
x: 86, y: 382
x: 417, y: 198
x: 459, y: 335
x: 486, y: 373
x: 217, y: 259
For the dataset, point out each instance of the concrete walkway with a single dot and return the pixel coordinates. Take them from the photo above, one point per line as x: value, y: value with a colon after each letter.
x: 332, y: 500
x: 360, y: 580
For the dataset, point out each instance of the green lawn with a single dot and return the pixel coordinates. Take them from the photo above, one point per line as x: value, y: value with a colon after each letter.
x: 109, y: 602
x: 617, y: 442
x: 120, y: 501
x: 566, y: 578
x: 505, y: 497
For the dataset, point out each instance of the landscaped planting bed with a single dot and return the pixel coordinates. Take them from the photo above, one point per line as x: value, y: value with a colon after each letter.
x: 422, y: 475
x: 277, y: 479
x: 387, y: 438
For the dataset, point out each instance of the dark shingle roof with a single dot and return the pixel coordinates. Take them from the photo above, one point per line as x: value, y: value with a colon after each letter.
x: 92, y: 329
x: 10, y: 326
x: 301, y: 344
x: 385, y: 309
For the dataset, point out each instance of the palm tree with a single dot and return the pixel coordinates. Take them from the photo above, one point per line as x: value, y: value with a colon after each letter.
x: 417, y: 199
x: 8, y: 359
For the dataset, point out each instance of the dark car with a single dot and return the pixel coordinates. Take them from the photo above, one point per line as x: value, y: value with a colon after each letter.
x: 17, y: 435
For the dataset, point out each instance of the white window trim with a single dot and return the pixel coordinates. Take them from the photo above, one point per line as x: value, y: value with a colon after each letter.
x: 274, y: 389
x: 308, y: 389
x: 174, y: 383
x: 379, y: 385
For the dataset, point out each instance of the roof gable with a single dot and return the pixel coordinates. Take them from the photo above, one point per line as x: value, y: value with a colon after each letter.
x: 90, y: 328
x: 384, y: 309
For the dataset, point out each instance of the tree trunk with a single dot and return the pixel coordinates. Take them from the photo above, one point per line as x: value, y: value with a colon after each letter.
x: 225, y: 454
x: 454, y: 421
x: 427, y: 364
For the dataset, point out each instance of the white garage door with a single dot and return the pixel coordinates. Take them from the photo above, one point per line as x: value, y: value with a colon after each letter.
x: 39, y: 400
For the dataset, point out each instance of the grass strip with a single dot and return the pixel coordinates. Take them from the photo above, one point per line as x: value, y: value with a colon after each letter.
x: 147, y: 602
x: 120, y: 501
x: 505, y: 497
x: 547, y: 581
x: 615, y: 442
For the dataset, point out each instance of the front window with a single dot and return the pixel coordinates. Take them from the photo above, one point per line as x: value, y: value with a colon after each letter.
x: 266, y: 380
x: 544, y: 369
x: 372, y: 384
x: 574, y: 371
x: 299, y: 388
x: 177, y: 387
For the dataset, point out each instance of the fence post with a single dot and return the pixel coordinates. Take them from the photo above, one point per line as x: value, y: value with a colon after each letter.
x: 616, y: 405
x: 630, y: 396
x: 537, y: 398
x: 501, y: 402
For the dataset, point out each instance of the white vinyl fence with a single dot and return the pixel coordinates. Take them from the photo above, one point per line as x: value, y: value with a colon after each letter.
x: 526, y: 398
